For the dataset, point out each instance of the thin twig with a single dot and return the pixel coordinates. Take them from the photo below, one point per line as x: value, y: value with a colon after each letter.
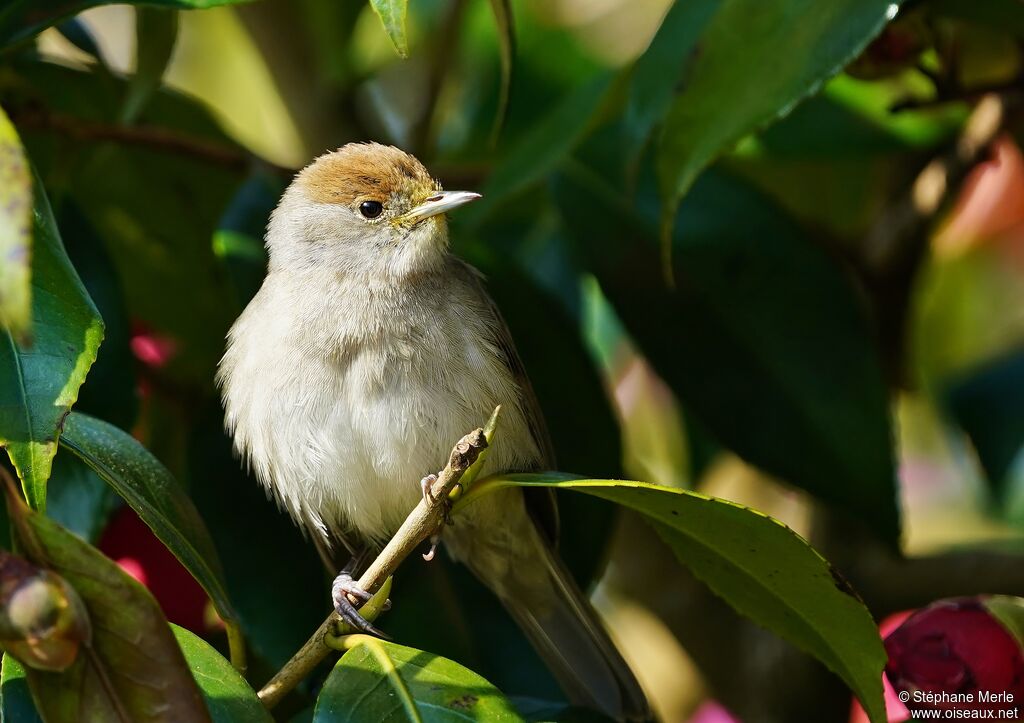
x: 152, y: 137
x: 445, y: 46
x: 894, y: 249
x: 423, y: 522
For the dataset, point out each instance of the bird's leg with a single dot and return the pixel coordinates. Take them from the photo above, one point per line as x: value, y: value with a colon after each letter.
x: 348, y: 597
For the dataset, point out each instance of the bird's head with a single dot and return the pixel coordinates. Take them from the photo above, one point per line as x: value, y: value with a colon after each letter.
x: 365, y: 208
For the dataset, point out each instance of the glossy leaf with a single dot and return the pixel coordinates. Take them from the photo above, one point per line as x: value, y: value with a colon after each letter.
x: 21, y: 19
x: 377, y: 680
x: 228, y: 697
x: 762, y: 337
x: 758, y: 565
x: 45, y: 374
x: 392, y: 14
x: 156, y: 30
x: 750, y: 63
x: 150, y: 490
x: 15, y: 232
x: 133, y: 669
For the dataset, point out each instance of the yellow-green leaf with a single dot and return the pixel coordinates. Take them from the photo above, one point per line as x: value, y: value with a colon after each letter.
x: 392, y: 15
x: 42, y: 378
x: 15, y: 232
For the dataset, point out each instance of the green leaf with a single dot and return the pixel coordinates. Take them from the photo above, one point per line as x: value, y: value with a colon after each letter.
x: 392, y: 15
x: 161, y: 251
x: 758, y: 565
x: 750, y: 63
x: 507, y: 45
x: 133, y: 670
x: 77, y: 499
x: 150, y: 490
x: 987, y: 404
x: 228, y: 697
x: 543, y: 147
x: 16, y: 704
x: 655, y: 78
x: 21, y: 19
x: 762, y: 338
x: 377, y: 680
x: 156, y: 30
x: 15, y: 233
x: 44, y: 375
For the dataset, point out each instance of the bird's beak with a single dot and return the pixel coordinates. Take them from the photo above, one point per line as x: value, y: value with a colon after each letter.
x: 440, y: 202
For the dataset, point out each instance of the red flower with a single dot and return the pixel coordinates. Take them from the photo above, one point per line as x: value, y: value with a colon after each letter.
x: 954, y: 654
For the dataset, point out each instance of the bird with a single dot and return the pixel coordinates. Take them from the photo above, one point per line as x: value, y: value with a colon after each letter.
x: 369, y: 349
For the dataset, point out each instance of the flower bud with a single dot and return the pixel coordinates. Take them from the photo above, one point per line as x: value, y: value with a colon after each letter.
x: 42, y: 619
x: 956, y: 654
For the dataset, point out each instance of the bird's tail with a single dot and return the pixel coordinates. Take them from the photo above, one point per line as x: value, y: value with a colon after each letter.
x: 561, y: 624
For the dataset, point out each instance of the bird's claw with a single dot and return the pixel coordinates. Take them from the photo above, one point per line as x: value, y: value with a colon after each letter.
x: 342, y: 590
x: 426, y: 485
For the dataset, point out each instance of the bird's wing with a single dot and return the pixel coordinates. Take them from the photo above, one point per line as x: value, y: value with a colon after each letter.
x: 502, y: 339
x: 541, y: 502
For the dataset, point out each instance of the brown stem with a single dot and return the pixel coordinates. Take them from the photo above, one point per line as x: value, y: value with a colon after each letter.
x: 895, y: 247
x: 423, y: 522
x: 445, y: 45
x: 153, y: 137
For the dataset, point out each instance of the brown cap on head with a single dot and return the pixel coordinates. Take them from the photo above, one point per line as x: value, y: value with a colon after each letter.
x: 365, y: 171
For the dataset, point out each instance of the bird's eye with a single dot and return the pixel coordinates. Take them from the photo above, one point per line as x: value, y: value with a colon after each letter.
x: 371, y: 209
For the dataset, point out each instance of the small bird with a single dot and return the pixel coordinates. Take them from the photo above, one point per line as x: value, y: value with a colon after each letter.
x: 367, y: 353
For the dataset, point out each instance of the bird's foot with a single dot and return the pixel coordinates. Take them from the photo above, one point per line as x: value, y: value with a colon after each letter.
x: 426, y: 486
x: 343, y: 592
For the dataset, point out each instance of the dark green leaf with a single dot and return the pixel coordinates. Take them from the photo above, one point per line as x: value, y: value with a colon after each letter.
x: 228, y: 697
x: 16, y: 704
x: 376, y: 680
x: 156, y: 30
x: 162, y: 252
x: 759, y: 566
x: 751, y: 62
x: 507, y: 44
x: 543, y: 147
x: 20, y: 19
x: 77, y: 498
x: 152, y: 492
x: 656, y: 76
x: 762, y: 338
x: 15, y: 233
x: 392, y: 15
x: 989, y: 406
x: 238, y: 240
x: 110, y: 391
x: 44, y: 375
x: 133, y: 670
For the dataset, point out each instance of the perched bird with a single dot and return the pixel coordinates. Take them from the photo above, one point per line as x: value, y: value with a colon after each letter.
x: 366, y: 354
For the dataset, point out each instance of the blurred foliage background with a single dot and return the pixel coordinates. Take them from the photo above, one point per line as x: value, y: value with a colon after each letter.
x: 822, y: 332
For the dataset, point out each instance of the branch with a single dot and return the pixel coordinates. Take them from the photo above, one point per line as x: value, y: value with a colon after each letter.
x: 155, y: 138
x: 897, y: 244
x: 908, y: 218
x: 423, y: 522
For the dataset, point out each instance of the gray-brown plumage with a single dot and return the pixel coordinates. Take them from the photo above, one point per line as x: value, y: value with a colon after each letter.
x: 368, y: 351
